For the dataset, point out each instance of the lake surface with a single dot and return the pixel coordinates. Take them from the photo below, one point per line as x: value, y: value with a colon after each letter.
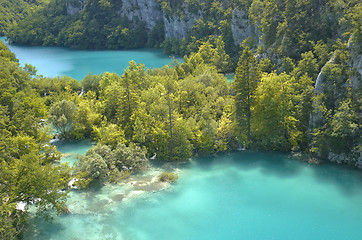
x: 71, y: 149
x: 242, y: 195
x: 56, y: 61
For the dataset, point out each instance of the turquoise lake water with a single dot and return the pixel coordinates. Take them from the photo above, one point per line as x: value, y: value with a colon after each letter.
x: 241, y: 195
x: 230, y: 77
x: 55, y: 61
x: 73, y: 148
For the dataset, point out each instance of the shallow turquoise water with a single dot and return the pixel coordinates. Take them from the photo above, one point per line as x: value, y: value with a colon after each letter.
x: 230, y: 77
x: 55, y: 61
x: 73, y: 148
x: 242, y: 195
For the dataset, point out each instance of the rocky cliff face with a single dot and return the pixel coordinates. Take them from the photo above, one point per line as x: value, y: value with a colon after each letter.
x: 145, y: 10
x: 241, y: 27
x: 356, y: 63
x: 355, y: 83
x: 74, y: 6
x: 178, y: 27
x: 356, y: 79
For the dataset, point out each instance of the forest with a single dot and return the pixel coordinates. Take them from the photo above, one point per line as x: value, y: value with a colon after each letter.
x: 297, y: 89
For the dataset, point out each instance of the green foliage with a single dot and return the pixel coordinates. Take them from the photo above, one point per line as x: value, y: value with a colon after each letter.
x: 96, y: 25
x: 61, y: 116
x: 91, y: 83
x: 101, y: 163
x: 27, y: 173
x: 211, y: 52
x: 162, y: 109
x: 109, y: 134
x: 273, y: 119
x: 214, y: 23
x: 307, y: 65
x: 53, y: 90
x: 87, y: 118
x: 6, y: 53
x: 287, y: 28
x: 337, y: 128
x: 267, y: 66
x: 294, y: 26
x: 168, y: 177
x: 247, y: 76
x: 12, y: 12
x: 304, y: 91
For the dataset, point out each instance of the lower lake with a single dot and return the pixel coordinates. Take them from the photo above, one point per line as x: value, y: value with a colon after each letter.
x: 240, y: 195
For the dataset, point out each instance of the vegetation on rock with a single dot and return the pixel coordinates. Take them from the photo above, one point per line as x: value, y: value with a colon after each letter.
x: 168, y: 177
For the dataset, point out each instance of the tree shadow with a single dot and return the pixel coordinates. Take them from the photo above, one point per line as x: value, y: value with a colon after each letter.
x: 269, y: 163
x: 348, y: 180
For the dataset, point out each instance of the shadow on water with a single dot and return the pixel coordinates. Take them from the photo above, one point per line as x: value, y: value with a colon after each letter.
x: 41, y: 229
x: 348, y: 180
x: 269, y: 163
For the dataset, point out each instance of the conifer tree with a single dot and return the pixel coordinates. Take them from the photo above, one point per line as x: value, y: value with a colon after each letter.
x: 247, y: 75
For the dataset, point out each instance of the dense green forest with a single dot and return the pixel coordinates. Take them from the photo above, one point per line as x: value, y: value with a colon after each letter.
x: 297, y: 87
x: 13, y: 11
x: 27, y: 173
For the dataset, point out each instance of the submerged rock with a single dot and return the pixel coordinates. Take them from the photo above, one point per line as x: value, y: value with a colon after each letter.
x: 118, y: 197
x: 314, y: 161
x: 67, y: 210
x: 93, y: 201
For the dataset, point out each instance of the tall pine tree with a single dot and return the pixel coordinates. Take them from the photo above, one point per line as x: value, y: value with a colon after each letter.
x: 247, y: 75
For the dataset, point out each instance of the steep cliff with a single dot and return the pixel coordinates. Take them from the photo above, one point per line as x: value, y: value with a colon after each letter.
x: 178, y: 27
x: 74, y: 6
x: 241, y: 26
x: 337, y: 117
x: 130, y: 23
x: 144, y: 10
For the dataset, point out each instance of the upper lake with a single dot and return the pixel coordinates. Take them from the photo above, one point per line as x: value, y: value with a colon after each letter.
x: 55, y: 61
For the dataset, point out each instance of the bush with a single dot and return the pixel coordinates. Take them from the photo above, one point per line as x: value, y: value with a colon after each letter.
x: 168, y: 177
x: 102, y: 164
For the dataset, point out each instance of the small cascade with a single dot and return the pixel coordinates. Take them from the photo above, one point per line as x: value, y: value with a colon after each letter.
x: 81, y: 92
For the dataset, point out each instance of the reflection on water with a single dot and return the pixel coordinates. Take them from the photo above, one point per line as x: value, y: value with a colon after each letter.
x: 241, y: 195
